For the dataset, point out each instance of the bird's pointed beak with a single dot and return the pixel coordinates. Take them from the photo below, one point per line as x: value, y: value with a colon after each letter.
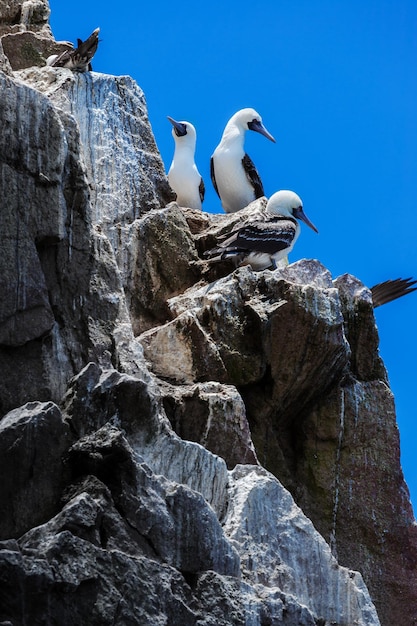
x: 258, y: 127
x: 179, y: 128
x: 300, y: 215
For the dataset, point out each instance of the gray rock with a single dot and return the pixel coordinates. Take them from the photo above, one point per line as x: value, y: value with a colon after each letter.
x: 34, y: 210
x: 28, y: 49
x: 4, y: 61
x: 225, y: 331
x: 33, y: 440
x: 213, y: 415
x: 97, y: 397
x: 176, y: 521
x: 123, y: 522
x: 25, y: 15
x: 260, y: 514
x: 63, y: 303
x: 127, y: 176
x: 360, y: 328
x: 162, y: 262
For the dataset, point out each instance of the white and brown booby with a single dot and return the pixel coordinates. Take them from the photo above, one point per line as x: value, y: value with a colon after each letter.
x: 78, y: 59
x: 233, y: 172
x: 390, y: 290
x: 265, y: 237
x: 183, y: 175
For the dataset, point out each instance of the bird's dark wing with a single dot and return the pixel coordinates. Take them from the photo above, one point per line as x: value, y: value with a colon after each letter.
x: 80, y: 57
x: 213, y: 177
x: 87, y: 49
x: 391, y: 290
x: 253, y: 176
x: 269, y: 236
x: 202, y: 190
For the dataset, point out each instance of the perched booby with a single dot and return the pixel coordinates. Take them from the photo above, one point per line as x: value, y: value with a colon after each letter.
x: 78, y: 59
x: 183, y: 174
x: 390, y: 290
x: 233, y: 173
x: 266, y: 236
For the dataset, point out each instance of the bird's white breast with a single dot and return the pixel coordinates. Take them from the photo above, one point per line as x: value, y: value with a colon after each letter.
x: 185, y: 179
x: 235, y: 190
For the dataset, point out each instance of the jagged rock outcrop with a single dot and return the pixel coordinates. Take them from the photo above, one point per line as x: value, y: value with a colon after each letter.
x: 136, y: 506
x: 179, y: 444
x: 26, y: 16
x: 25, y: 34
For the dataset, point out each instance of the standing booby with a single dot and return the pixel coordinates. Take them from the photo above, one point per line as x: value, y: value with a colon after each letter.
x: 183, y: 175
x: 233, y: 172
x: 390, y: 290
x: 78, y: 59
x: 266, y: 236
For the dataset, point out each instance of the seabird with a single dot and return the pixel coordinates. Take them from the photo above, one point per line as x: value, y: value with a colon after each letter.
x: 265, y: 237
x: 78, y: 59
x: 390, y: 290
x: 183, y: 175
x: 233, y: 173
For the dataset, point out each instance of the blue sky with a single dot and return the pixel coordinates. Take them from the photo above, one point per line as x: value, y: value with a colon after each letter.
x: 336, y: 84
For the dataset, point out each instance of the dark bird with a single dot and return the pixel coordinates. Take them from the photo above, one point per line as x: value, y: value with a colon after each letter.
x: 266, y: 236
x: 390, y: 290
x: 233, y: 172
x: 78, y: 59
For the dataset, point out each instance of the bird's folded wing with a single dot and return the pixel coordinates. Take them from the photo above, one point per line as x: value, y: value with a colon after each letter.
x: 269, y: 236
x: 213, y: 176
x: 253, y: 176
x: 202, y: 190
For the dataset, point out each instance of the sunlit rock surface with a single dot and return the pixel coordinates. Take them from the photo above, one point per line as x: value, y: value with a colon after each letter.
x: 180, y: 443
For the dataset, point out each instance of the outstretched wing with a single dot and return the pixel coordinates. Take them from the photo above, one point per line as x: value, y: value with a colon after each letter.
x: 391, y: 290
x: 253, y: 176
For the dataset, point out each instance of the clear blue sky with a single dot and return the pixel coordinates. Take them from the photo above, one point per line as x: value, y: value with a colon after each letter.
x: 336, y: 84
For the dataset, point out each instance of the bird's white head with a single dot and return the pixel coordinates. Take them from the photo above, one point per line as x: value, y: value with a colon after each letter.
x: 184, y: 133
x: 289, y: 204
x: 249, y: 119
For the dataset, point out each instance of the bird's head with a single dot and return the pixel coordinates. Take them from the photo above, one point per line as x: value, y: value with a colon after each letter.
x: 249, y: 119
x: 183, y: 131
x: 289, y: 204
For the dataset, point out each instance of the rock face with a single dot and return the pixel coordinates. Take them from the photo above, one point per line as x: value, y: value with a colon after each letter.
x: 179, y: 444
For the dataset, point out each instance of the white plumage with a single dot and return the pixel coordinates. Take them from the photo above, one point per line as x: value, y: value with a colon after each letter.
x: 233, y: 173
x: 183, y: 175
x: 266, y: 236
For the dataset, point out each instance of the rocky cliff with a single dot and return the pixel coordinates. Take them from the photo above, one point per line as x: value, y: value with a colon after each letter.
x: 179, y: 444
